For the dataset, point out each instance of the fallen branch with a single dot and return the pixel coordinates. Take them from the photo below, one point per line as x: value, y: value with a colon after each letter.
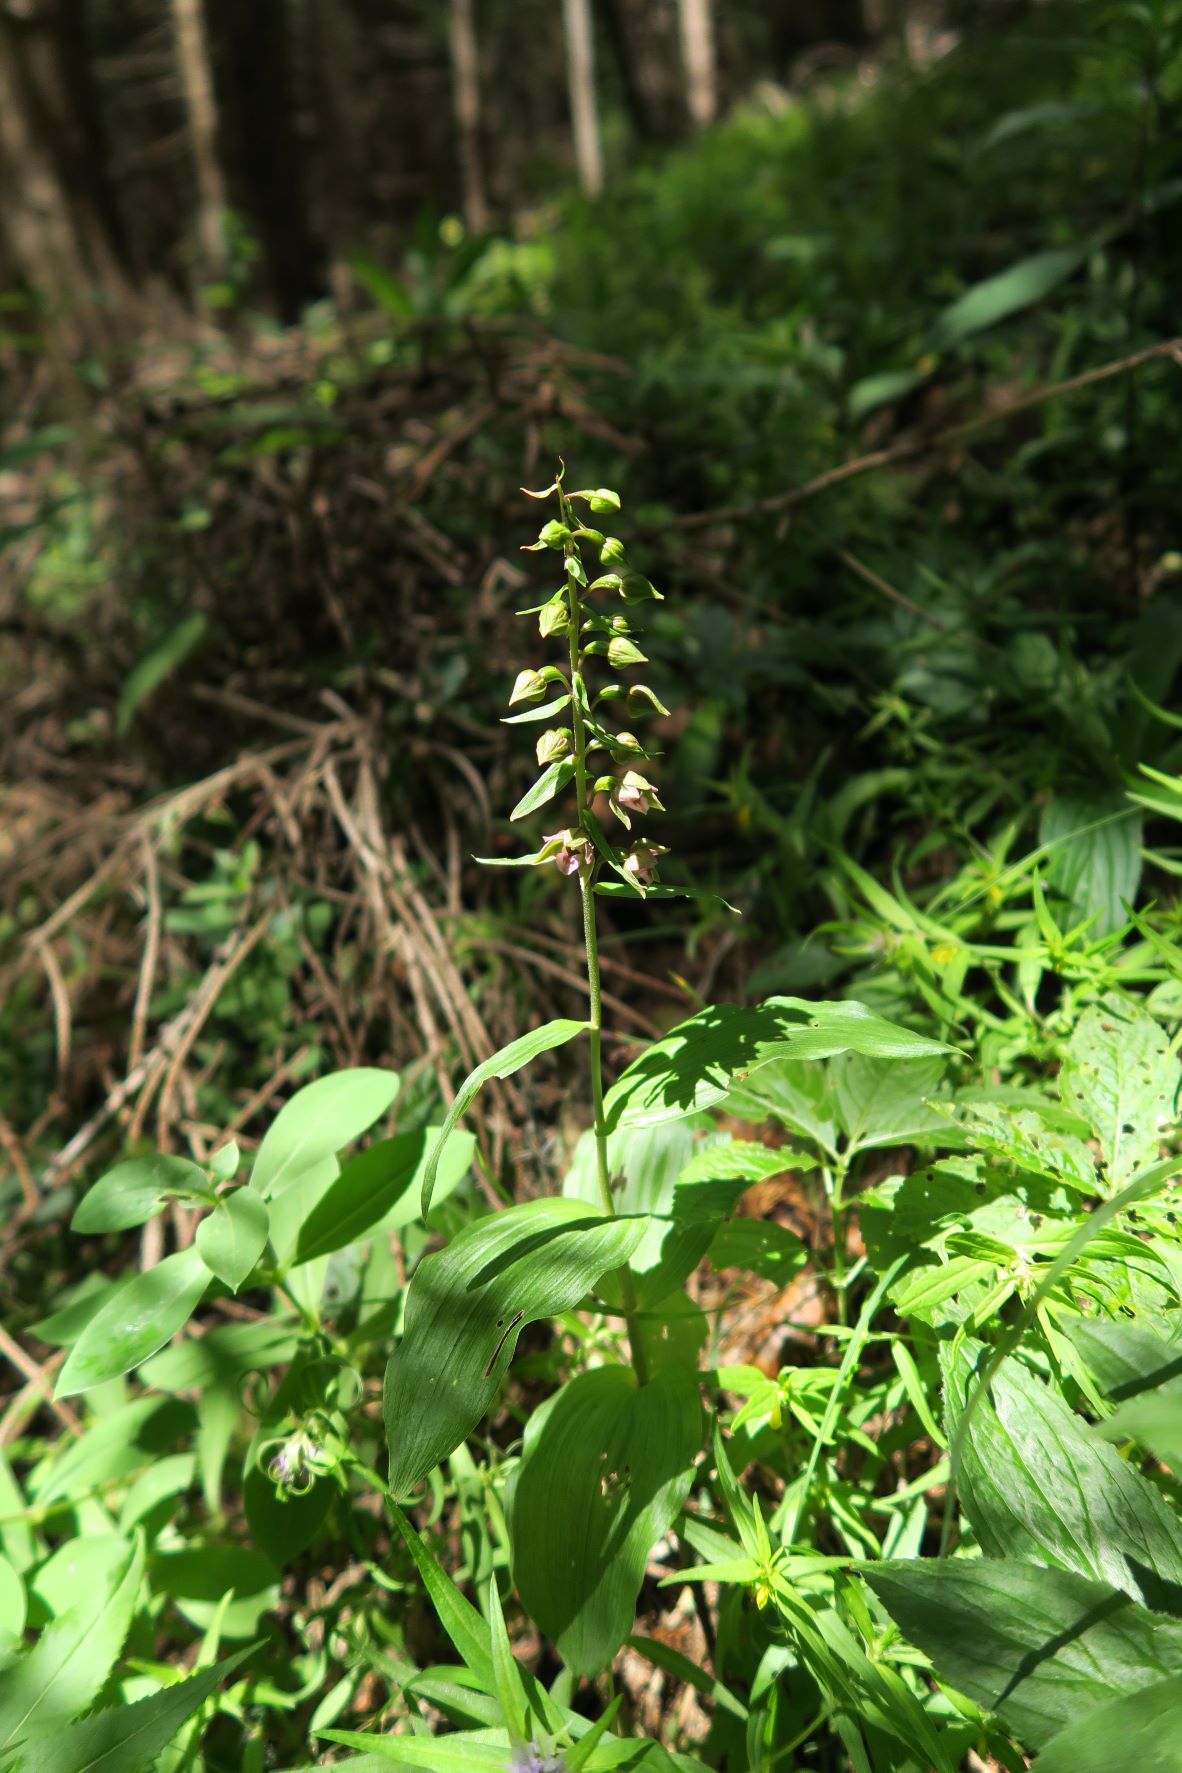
x: 909, y: 447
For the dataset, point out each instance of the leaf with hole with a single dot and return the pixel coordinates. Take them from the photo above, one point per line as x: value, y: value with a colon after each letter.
x: 605, y: 1469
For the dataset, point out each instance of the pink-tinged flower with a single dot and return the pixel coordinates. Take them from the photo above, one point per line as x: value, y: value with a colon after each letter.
x: 574, y: 851
x: 642, y: 860
x: 633, y: 794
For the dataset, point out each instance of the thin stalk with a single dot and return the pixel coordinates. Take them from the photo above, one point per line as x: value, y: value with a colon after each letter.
x: 591, y: 945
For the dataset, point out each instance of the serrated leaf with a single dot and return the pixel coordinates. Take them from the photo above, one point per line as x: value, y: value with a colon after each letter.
x: 319, y: 1121
x: 605, y: 1469
x: 1142, y: 1730
x: 1038, y: 1647
x: 1120, y: 1076
x: 1095, y: 855
x: 135, y: 1319
x: 502, y: 1064
x: 1035, y: 1484
x: 66, y: 1668
x: 134, y: 1191
x: 127, y: 1738
x: 231, y: 1239
x: 465, y: 1309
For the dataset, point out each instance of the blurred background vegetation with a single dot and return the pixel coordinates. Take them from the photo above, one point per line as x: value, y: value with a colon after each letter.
x: 869, y: 308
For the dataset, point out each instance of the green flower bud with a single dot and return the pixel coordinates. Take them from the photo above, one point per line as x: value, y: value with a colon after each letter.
x: 527, y: 687
x: 555, y: 617
x: 622, y: 652
x: 554, y: 743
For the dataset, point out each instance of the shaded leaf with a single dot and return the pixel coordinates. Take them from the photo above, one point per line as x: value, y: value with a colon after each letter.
x: 698, y: 1062
x: 127, y: 1738
x: 1095, y: 855
x: 1037, y: 1485
x: 1038, y: 1647
x: 604, y: 1472
x: 465, y: 1309
x: 1141, y: 1730
x: 996, y: 298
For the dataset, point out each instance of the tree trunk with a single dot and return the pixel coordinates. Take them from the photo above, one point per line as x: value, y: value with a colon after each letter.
x: 58, y: 216
x: 643, y: 38
x: 697, y: 53
x: 580, y: 67
x: 201, y: 110
x: 262, y: 149
x: 465, y: 65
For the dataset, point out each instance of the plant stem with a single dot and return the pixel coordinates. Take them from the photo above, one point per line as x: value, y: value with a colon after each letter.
x: 591, y: 945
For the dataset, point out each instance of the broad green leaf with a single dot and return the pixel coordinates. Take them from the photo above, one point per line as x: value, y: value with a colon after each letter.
x: 760, y: 1245
x: 163, y: 1481
x: 1038, y: 1647
x: 128, y: 1738
x: 318, y: 1121
x: 644, y: 1164
x: 91, y: 1563
x: 231, y: 1239
x: 604, y: 1472
x: 796, y: 1094
x: 135, y: 1191
x: 1120, y: 1075
x: 465, y: 1309
x: 503, y: 1064
x: 1037, y: 1485
x: 1154, y: 1420
x: 67, y: 1666
x: 996, y: 298
x: 1125, y: 1358
x: 886, y: 1101
x: 701, y: 1060
x: 730, y: 1161
x: 552, y: 781
x: 137, y: 1317
x: 154, y: 667
x: 1142, y: 1730
x: 1094, y: 841
x: 367, y: 1187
